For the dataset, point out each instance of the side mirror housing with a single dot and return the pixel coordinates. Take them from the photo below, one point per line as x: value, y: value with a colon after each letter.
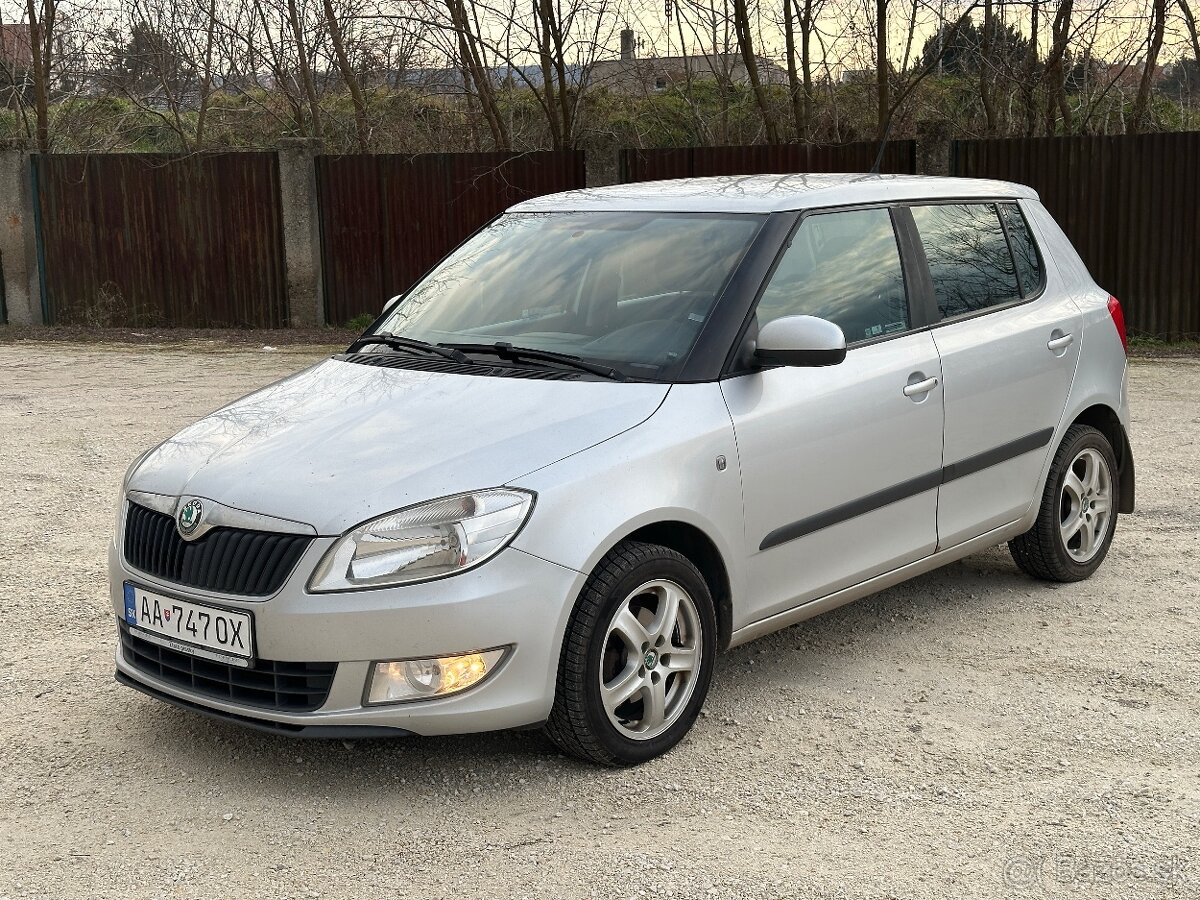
x: 800, y: 341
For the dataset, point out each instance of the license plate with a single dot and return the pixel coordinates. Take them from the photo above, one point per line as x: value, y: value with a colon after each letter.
x: 192, y: 628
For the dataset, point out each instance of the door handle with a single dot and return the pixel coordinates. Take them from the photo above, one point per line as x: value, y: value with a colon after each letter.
x: 920, y: 387
x: 1060, y: 343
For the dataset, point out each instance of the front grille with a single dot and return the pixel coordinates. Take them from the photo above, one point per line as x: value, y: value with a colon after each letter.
x: 232, y: 561
x: 282, y: 686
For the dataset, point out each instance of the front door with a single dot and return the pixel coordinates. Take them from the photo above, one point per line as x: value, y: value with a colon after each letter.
x: 840, y: 465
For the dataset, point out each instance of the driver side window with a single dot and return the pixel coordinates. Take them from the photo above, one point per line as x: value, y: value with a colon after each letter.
x: 844, y: 267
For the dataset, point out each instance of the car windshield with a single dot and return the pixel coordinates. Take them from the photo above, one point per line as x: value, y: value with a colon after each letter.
x: 626, y: 290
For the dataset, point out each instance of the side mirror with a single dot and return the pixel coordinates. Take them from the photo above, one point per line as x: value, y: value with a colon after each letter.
x: 800, y: 341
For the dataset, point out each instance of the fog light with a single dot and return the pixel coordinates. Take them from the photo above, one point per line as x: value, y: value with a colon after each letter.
x: 420, y: 679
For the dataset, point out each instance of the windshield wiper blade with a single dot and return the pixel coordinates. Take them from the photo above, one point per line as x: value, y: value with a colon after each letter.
x: 507, y: 351
x: 396, y: 342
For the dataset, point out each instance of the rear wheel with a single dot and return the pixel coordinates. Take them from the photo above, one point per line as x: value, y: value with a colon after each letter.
x: 637, y: 659
x: 1078, y: 513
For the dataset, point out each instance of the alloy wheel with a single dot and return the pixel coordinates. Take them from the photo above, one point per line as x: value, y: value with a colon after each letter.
x: 1086, y: 505
x: 651, y: 659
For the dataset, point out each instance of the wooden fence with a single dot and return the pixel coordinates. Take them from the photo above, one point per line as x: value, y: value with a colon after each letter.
x: 140, y: 240
x: 198, y: 241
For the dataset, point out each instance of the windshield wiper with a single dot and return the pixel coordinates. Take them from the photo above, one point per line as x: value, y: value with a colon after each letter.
x: 507, y: 351
x: 396, y: 342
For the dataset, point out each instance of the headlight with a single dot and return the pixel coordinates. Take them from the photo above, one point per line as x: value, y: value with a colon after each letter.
x: 430, y: 540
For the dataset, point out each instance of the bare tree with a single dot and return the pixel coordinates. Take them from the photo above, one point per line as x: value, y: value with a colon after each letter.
x: 809, y: 10
x: 43, y: 19
x: 163, y: 63
x: 206, y: 71
x: 1028, y: 74
x: 741, y: 25
x: 549, y: 51
x: 469, y: 41
x: 362, y: 128
x: 890, y: 102
x: 1141, y: 107
x: 265, y: 47
x: 883, y: 71
x: 800, y: 14
x: 710, y: 24
x: 304, y: 54
x: 986, y: 63
x: 1055, y: 70
x: 1189, y: 23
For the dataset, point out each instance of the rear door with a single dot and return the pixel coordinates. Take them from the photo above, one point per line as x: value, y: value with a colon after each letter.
x: 840, y: 465
x: 1008, y: 337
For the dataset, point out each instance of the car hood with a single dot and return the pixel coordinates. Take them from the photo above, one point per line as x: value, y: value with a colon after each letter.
x: 341, y: 442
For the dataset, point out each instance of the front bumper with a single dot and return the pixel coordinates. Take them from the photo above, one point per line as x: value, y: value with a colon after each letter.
x: 266, y: 725
x: 515, y: 599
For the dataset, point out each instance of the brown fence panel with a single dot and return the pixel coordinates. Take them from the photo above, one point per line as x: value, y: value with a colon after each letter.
x: 899, y: 157
x: 1131, y: 206
x: 387, y: 219
x: 149, y: 239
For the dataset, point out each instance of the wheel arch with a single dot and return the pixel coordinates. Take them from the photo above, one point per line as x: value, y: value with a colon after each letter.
x: 1105, y: 420
x: 694, y: 543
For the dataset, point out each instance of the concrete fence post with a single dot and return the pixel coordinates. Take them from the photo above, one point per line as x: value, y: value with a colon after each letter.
x: 603, y: 167
x: 933, y: 147
x: 18, y: 237
x: 301, y: 230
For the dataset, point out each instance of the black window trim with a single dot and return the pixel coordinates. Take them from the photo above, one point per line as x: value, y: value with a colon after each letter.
x: 912, y: 263
x: 938, y: 320
x: 923, y: 308
x: 1037, y: 249
x: 733, y: 310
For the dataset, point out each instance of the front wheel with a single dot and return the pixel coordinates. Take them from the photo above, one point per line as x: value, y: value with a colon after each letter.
x: 637, y: 658
x: 1078, y: 513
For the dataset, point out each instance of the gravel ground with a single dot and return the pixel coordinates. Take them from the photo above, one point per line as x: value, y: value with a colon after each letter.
x: 971, y: 733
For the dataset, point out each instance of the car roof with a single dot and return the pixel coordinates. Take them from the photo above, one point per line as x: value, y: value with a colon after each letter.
x: 770, y: 193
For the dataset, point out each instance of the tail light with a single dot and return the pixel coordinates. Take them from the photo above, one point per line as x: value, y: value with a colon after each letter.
x: 1118, y: 317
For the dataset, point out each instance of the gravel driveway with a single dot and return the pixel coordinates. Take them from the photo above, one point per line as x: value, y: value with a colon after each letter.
x: 971, y: 733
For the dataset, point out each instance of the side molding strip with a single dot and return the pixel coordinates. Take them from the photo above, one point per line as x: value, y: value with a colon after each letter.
x: 906, y: 489
x: 850, y: 510
x: 1003, y: 453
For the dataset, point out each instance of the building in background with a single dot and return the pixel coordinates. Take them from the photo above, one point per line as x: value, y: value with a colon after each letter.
x: 857, y: 76
x: 16, y: 50
x: 630, y: 74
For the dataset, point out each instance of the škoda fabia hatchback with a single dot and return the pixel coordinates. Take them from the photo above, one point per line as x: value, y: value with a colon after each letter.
x: 616, y: 432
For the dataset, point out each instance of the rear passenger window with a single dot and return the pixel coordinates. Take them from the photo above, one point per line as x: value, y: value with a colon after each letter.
x: 844, y: 267
x: 1029, y: 264
x: 968, y: 255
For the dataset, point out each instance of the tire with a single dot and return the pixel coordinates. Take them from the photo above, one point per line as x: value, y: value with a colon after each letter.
x: 617, y: 637
x: 1057, y: 547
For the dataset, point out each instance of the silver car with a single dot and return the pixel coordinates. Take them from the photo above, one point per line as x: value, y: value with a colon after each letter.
x: 618, y: 431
